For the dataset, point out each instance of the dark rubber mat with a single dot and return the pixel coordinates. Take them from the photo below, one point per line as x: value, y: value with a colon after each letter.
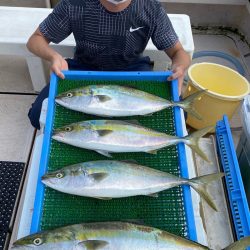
x: 3, y: 236
x: 10, y: 178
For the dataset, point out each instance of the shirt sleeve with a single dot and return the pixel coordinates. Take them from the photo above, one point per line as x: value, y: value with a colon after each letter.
x: 164, y: 35
x: 56, y: 27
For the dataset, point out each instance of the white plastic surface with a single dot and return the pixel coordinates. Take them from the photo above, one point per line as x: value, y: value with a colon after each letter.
x: 28, y: 204
x: 43, y: 114
x: 245, y: 116
x: 18, y: 23
x: 182, y: 26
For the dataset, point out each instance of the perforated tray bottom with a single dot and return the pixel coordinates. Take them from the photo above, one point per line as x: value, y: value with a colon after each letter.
x: 10, y: 177
x: 165, y: 212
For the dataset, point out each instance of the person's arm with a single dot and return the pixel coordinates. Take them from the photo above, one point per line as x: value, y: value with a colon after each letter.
x: 180, y: 62
x: 39, y: 45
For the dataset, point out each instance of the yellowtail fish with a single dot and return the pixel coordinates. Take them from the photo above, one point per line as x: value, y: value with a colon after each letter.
x: 112, y: 236
x: 105, y: 136
x: 117, y: 179
x: 118, y: 101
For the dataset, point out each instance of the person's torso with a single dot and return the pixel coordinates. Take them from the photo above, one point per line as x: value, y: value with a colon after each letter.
x: 107, y: 40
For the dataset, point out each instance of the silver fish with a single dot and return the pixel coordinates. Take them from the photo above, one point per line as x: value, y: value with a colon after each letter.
x: 112, y: 236
x: 117, y: 179
x: 118, y: 101
x: 105, y: 136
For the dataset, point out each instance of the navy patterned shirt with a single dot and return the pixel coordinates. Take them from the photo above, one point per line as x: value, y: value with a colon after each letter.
x: 107, y: 40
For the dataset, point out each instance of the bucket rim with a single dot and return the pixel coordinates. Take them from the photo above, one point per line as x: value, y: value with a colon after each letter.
x: 212, y: 93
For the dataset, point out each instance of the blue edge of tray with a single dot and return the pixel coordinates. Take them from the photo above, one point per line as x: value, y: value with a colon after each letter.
x: 235, y: 189
x: 88, y: 75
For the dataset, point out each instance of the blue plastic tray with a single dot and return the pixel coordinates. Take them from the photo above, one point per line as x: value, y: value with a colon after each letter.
x: 91, y: 75
x: 235, y: 189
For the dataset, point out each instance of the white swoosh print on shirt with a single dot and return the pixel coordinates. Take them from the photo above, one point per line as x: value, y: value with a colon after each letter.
x: 132, y: 30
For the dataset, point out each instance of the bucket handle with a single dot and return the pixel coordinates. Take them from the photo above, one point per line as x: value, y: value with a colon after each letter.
x: 223, y: 55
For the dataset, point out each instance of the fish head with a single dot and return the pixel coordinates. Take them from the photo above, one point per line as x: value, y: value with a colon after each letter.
x: 56, y: 239
x: 71, y: 177
x: 35, y: 241
x: 30, y: 242
x: 76, y: 98
x: 74, y: 132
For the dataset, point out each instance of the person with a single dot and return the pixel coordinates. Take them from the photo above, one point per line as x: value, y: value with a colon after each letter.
x: 110, y: 35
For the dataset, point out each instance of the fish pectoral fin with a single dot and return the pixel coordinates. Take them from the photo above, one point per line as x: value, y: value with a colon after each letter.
x: 98, y: 176
x: 105, y: 153
x: 153, y: 152
x: 93, y: 244
x: 103, y: 98
x: 155, y: 195
x: 104, y: 132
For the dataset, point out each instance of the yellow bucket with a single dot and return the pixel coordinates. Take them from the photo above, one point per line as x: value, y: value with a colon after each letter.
x: 225, y: 90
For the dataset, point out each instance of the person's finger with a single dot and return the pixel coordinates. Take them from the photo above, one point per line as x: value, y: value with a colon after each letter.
x: 175, y: 75
x: 61, y: 75
x: 65, y: 65
x: 57, y: 72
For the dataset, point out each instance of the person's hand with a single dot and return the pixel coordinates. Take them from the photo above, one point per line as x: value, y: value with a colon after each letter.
x: 58, y: 63
x: 178, y: 73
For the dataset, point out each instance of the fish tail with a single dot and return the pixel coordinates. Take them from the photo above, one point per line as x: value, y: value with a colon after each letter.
x: 199, y: 185
x: 193, y: 141
x: 241, y: 244
x: 188, y: 102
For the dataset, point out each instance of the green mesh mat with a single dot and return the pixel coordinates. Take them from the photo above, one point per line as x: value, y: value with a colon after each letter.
x: 165, y: 212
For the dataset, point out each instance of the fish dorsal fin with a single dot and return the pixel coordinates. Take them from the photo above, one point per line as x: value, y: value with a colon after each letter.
x: 103, y: 198
x: 130, y: 161
x: 105, y: 153
x: 103, y: 98
x: 93, y: 244
x: 98, y: 176
x: 155, y: 195
x: 153, y: 152
x: 134, y: 221
x: 104, y: 132
x: 130, y: 86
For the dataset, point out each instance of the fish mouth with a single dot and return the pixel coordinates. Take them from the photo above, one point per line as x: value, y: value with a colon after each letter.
x: 47, y: 176
x: 17, y: 246
x: 58, y: 135
x: 48, y: 179
x: 59, y: 100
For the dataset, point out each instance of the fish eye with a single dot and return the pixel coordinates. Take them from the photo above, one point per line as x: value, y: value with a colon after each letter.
x: 68, y: 129
x: 69, y: 94
x: 37, y: 241
x: 59, y: 175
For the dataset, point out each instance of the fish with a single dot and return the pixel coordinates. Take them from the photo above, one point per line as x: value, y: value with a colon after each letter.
x: 113, y: 136
x: 107, y: 179
x: 112, y: 236
x: 120, y: 101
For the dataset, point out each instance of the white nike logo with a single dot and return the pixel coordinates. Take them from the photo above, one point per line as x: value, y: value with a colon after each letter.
x: 132, y: 30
